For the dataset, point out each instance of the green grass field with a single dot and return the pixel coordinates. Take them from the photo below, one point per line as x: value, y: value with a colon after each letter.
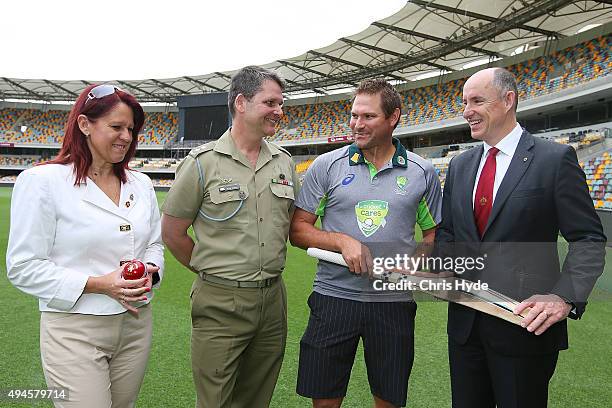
x: 582, y: 378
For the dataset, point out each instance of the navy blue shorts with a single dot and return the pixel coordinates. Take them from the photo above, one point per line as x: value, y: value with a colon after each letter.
x: 329, y: 345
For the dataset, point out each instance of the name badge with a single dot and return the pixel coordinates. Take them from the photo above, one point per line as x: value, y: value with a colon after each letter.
x: 283, y: 182
x: 229, y: 187
x: 124, y: 228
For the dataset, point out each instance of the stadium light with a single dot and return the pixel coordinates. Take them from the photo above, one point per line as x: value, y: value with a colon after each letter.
x: 430, y: 74
x: 525, y: 48
x: 480, y: 62
x: 587, y: 27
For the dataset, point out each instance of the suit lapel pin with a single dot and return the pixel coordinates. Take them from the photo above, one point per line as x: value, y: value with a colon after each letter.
x: 524, y: 159
x: 131, y: 197
x: 127, y: 204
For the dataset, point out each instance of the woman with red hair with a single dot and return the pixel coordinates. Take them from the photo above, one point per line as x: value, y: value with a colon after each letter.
x: 74, y: 221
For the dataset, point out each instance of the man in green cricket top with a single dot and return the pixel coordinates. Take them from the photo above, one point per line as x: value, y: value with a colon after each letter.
x: 372, y: 192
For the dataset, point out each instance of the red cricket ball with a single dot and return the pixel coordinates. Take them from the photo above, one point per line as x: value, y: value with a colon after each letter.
x: 134, y: 269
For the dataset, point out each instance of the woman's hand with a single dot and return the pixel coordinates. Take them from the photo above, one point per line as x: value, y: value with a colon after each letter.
x: 151, y: 269
x: 122, y: 290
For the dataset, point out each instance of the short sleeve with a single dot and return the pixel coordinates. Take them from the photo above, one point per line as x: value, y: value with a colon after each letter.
x: 429, y: 213
x: 185, y: 196
x: 313, y: 194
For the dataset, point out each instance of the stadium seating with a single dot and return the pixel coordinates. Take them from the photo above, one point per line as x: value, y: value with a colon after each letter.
x: 319, y: 121
x: 599, y: 174
x: 598, y: 170
x: 8, y: 119
x: 544, y: 75
x: 160, y: 128
x: 582, y: 139
x: 31, y: 126
x: 162, y: 182
x: 156, y: 164
x: 19, y: 161
x: 302, y: 166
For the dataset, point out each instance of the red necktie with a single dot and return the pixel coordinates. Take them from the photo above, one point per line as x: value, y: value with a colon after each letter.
x: 483, y: 200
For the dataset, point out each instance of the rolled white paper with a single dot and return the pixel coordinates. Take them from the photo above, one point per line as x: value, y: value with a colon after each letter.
x: 325, y: 255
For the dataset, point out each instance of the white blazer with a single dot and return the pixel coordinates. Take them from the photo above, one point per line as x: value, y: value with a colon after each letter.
x: 60, y: 235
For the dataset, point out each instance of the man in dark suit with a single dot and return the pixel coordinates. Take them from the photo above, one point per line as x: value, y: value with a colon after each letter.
x: 509, y: 199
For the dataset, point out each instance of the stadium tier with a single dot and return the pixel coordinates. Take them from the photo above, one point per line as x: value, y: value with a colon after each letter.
x: 599, y: 175
x: 302, y: 166
x: 19, y: 161
x: 578, y: 140
x: 160, y: 128
x: 145, y: 165
x: 582, y: 139
x: 153, y: 165
x: 8, y: 118
x: 318, y: 122
x: 30, y: 126
x: 598, y: 170
x: 161, y: 182
x: 10, y: 179
x: 536, y: 77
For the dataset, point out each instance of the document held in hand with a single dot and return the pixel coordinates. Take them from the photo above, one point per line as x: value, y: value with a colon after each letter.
x: 451, y: 289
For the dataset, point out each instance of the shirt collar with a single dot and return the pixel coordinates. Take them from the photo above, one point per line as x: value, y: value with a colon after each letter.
x: 225, y: 144
x: 400, y: 157
x: 509, y: 143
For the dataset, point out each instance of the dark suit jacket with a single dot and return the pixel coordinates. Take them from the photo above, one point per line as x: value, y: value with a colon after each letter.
x: 544, y: 192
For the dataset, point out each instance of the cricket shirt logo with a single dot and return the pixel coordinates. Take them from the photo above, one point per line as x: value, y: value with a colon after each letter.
x: 348, y: 179
x: 371, y: 215
x: 400, y: 182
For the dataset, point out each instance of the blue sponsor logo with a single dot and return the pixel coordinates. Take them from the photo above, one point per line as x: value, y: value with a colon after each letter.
x: 348, y: 179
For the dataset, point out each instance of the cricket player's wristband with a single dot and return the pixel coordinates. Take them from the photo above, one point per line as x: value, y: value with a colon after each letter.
x: 155, y: 275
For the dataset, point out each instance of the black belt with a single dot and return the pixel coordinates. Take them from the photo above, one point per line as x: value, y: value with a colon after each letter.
x: 238, y: 284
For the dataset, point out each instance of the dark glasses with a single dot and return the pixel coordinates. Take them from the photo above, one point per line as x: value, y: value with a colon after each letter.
x: 101, y: 91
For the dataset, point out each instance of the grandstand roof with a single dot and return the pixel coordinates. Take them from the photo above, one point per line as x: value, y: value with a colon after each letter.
x: 426, y: 36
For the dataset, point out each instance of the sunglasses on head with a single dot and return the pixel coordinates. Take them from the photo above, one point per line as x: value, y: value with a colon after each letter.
x: 101, y: 91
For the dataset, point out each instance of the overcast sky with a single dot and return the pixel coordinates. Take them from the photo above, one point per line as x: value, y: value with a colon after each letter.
x: 136, y: 39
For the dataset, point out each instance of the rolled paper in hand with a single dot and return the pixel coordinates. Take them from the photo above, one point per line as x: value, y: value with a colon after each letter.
x: 328, y: 256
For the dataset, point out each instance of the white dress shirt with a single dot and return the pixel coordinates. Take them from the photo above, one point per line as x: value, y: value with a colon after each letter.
x: 507, y: 147
x: 62, y: 234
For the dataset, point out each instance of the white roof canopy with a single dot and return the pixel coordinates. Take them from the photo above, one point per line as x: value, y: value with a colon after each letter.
x: 426, y: 36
